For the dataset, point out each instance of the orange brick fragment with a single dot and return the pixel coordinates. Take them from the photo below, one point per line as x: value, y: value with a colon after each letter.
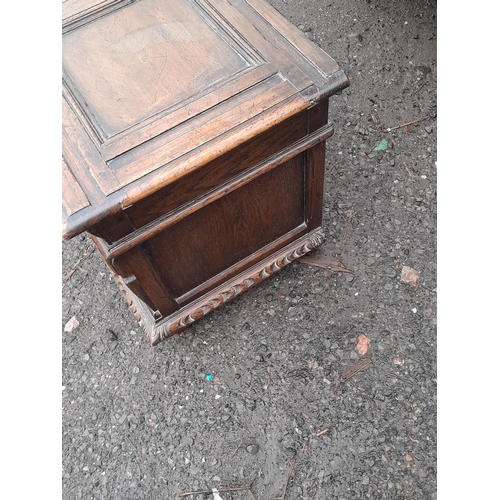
x: 362, y: 345
x: 410, y: 276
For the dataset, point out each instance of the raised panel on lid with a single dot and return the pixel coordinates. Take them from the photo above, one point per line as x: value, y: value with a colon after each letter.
x: 133, y: 73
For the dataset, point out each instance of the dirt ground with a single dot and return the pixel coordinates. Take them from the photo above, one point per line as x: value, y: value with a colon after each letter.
x: 289, y: 412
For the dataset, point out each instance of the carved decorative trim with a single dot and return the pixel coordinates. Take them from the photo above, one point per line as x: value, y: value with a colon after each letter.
x: 180, y: 324
x: 143, y: 315
x: 156, y: 331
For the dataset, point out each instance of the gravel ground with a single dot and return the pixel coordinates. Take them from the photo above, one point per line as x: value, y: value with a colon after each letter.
x: 285, y: 414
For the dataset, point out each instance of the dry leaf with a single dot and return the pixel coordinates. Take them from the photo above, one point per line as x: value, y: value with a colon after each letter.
x: 362, y: 345
x: 71, y: 324
x: 408, y: 458
x: 410, y: 276
x: 399, y: 361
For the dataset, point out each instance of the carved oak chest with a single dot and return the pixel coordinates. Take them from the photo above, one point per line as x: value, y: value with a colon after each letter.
x: 193, y: 147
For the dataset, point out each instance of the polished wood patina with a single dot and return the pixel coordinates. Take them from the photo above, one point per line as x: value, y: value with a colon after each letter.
x: 193, y: 147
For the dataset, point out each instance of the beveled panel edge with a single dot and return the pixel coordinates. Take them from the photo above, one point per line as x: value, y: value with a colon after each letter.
x: 258, y: 69
x: 209, y: 125
x: 78, y: 106
x: 74, y: 18
x: 246, y: 20
x: 180, y: 113
x: 234, y: 36
x: 162, y: 121
x: 83, y: 158
x: 162, y: 176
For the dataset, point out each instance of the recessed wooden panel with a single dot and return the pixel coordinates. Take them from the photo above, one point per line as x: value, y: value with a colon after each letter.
x: 145, y: 60
x: 231, y: 228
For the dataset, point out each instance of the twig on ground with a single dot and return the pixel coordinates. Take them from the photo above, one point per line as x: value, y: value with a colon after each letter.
x: 333, y: 265
x: 289, y: 471
x: 324, y: 431
x: 355, y: 368
x: 237, y: 448
x: 141, y: 475
x: 251, y: 494
x: 76, y: 266
x: 204, y: 492
x: 310, y: 419
x: 399, y: 377
x: 408, y: 170
x: 405, y: 124
x: 347, y: 225
x: 351, y: 371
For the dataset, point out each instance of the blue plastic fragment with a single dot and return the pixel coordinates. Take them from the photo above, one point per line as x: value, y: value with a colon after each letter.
x: 209, y: 377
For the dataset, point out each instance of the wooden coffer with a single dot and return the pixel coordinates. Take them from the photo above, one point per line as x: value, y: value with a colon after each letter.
x: 193, y: 147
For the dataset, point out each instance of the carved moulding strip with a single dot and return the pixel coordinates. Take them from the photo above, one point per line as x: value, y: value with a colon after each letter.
x: 158, y: 330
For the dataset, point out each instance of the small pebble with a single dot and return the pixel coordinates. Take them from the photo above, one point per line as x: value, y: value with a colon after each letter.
x: 391, y: 272
x: 251, y: 404
x: 253, y: 449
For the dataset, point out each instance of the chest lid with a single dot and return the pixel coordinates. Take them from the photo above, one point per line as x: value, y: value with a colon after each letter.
x: 154, y: 89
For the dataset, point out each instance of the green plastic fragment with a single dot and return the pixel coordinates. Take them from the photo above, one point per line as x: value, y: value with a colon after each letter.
x: 382, y: 146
